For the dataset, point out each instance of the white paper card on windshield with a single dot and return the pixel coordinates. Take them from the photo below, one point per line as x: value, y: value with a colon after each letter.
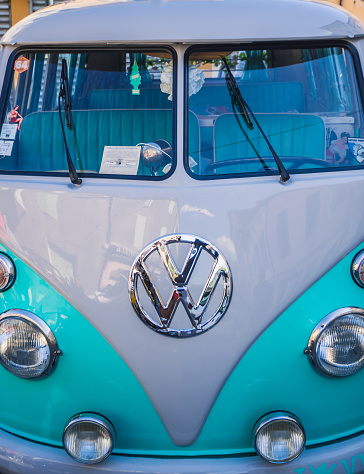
x: 8, y: 131
x: 120, y: 160
x: 6, y: 147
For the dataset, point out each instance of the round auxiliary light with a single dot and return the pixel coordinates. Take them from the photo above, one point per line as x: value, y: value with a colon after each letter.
x: 279, y: 437
x: 28, y: 348
x: 336, y: 345
x: 7, y: 272
x: 88, y: 438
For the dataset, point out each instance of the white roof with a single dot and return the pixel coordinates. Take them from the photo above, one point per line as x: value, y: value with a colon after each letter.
x: 168, y: 21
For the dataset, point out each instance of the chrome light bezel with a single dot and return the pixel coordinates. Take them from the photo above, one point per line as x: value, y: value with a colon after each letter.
x: 10, y: 271
x: 39, y: 325
x: 326, y: 322
x: 356, y: 264
x: 277, y: 416
x: 97, y: 420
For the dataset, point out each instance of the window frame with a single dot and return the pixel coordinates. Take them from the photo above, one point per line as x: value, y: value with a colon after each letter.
x: 80, y: 49
x: 267, y: 45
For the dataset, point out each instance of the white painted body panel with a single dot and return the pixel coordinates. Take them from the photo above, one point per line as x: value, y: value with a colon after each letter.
x: 174, y: 21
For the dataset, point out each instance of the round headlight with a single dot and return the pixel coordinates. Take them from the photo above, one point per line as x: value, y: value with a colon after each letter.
x: 88, y: 438
x: 336, y: 345
x: 28, y: 347
x: 279, y: 437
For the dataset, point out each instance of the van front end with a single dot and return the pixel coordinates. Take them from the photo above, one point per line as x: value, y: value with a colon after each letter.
x: 182, y: 238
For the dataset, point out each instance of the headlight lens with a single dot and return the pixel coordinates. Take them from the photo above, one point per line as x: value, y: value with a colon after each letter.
x: 279, y: 437
x: 28, y: 347
x: 336, y: 345
x: 88, y: 438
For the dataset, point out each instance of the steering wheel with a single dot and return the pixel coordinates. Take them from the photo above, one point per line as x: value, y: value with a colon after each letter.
x: 298, y: 161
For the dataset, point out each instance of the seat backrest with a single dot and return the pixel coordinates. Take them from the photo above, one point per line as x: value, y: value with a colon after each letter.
x: 124, y: 99
x: 297, y: 135
x: 42, y: 147
x: 276, y: 97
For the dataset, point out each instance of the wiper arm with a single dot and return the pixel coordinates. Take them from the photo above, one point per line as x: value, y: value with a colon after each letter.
x: 245, y: 111
x: 236, y: 95
x: 64, y: 98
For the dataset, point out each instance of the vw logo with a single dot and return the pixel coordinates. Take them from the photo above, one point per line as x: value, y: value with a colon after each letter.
x: 156, y: 262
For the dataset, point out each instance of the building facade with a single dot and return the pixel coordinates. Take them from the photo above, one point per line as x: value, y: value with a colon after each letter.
x: 354, y: 6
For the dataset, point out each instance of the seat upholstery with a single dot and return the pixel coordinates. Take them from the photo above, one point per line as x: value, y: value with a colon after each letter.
x: 42, y: 147
x: 274, y: 97
x: 123, y: 99
x: 290, y: 135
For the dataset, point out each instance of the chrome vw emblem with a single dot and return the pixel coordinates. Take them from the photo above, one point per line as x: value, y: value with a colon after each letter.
x: 198, y: 316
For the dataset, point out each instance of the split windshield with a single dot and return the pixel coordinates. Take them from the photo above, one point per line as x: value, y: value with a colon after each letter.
x: 120, y: 101
x: 306, y: 101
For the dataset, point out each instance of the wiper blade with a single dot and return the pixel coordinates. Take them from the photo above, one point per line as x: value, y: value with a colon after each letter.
x: 246, y: 112
x: 65, y: 94
x: 236, y: 94
x: 64, y: 98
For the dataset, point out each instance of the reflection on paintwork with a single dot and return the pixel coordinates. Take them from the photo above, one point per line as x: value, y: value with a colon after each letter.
x: 227, y: 244
x: 187, y: 208
x: 139, y: 231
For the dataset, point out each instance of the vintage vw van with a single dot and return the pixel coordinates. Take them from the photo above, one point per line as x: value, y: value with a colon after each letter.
x: 182, y: 238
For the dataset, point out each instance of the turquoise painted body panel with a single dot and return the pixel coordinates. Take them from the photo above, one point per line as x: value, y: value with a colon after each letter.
x: 276, y: 375
x: 273, y: 375
x: 90, y: 376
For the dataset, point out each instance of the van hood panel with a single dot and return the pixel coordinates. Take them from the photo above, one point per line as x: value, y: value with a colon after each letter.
x: 84, y: 241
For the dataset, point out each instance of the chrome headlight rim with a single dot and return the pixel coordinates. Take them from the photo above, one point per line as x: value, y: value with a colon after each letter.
x: 10, y: 271
x: 273, y: 417
x: 39, y: 325
x: 355, y: 267
x: 325, y: 323
x: 97, y: 419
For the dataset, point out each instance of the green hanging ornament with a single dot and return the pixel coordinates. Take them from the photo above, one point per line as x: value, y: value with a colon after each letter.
x: 135, y: 79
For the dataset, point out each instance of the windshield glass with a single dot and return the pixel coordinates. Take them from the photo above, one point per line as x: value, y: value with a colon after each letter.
x: 306, y: 101
x: 120, y: 101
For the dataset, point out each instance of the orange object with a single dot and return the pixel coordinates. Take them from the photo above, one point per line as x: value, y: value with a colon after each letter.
x: 21, y: 64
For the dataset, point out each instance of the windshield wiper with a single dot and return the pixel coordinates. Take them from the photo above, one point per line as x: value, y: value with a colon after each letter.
x: 245, y: 111
x: 64, y: 98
